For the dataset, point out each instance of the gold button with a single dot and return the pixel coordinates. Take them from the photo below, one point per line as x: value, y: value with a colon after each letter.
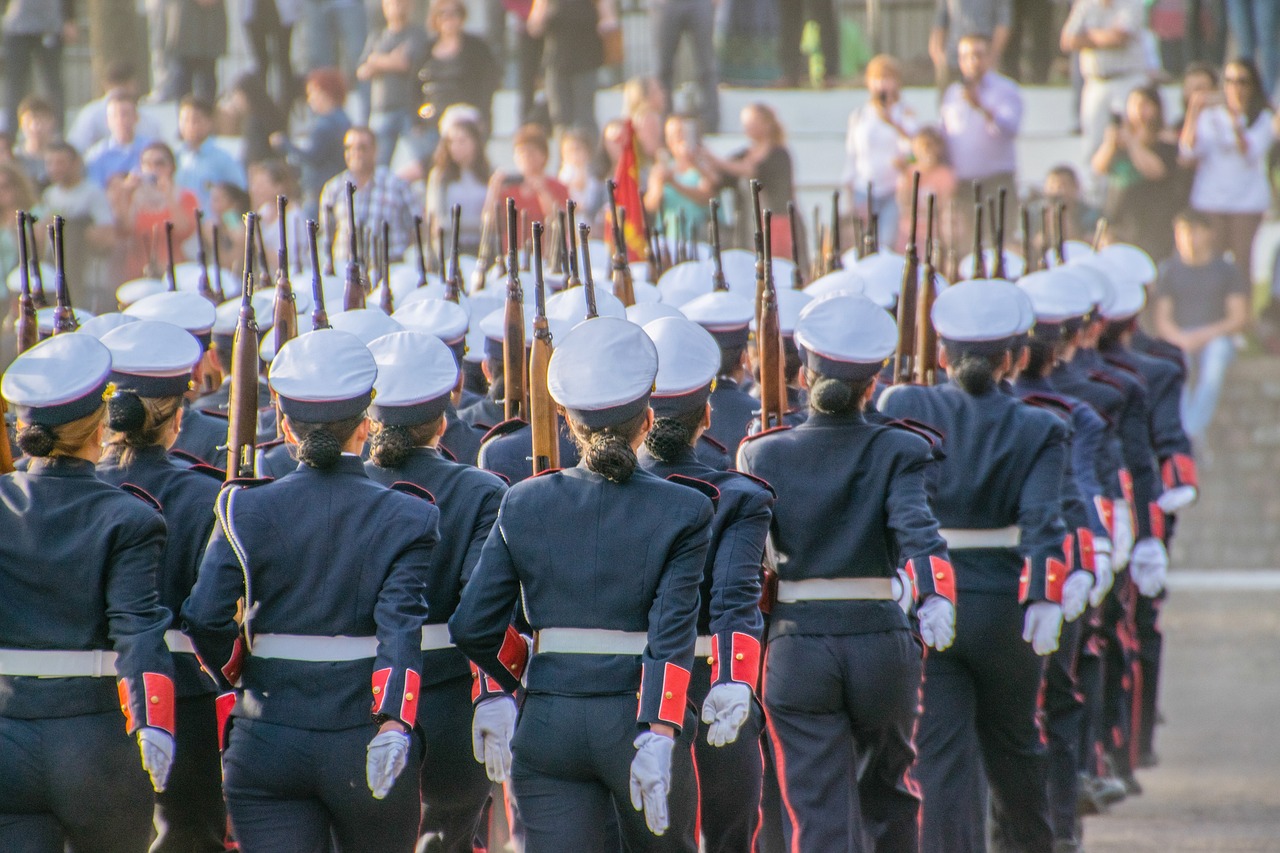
x: 474, y: 676
x: 739, y: 656
x: 377, y: 690
x: 408, y: 697
x: 711, y: 660
x: 155, y: 700
x: 637, y: 694
x: 668, y: 694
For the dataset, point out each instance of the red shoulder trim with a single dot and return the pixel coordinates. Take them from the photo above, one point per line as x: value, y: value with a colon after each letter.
x: 539, y: 474
x: 716, y: 444
x: 928, y: 433
x: 405, y: 487
x: 186, y: 457
x: 209, y: 471
x: 1106, y: 379
x: 1120, y: 365
x: 764, y: 432
x: 249, y: 482
x: 143, y: 495
x: 446, y: 452
x: 215, y: 413
x: 759, y: 481
x: 694, y: 483
x: 1048, y: 402
x: 510, y: 425
x: 267, y: 445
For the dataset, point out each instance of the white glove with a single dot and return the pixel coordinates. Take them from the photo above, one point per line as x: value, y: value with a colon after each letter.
x: 937, y: 622
x: 651, y: 778
x: 1103, y: 578
x: 725, y: 710
x: 157, y: 748
x: 492, y: 727
x: 1075, y: 594
x: 385, y: 757
x: 1042, y: 625
x: 1121, y: 535
x: 1149, y: 566
x: 904, y: 591
x: 1179, y: 497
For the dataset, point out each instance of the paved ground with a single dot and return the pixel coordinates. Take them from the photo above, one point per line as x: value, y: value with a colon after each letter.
x: 1218, y: 785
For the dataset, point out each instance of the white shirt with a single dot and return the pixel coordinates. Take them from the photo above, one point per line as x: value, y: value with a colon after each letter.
x: 873, y: 147
x: 981, y: 147
x: 1227, y: 181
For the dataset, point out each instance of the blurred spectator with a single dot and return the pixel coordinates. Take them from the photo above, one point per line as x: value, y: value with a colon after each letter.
x: 1143, y: 181
x: 268, y: 179
x: 380, y: 196
x: 586, y: 190
x: 1228, y: 139
x: 157, y: 48
x: 460, y: 69
x: 536, y: 194
x: 89, y: 223
x: 876, y: 145
x: 268, y: 27
x: 937, y: 178
x: 16, y: 193
x: 1201, y: 305
x: 1030, y: 42
x: 460, y: 173
x: 336, y: 31
x: 647, y: 123
x: 792, y: 16
x: 197, y: 36
x: 142, y: 202
x: 674, y: 19
x: 201, y: 161
x: 1107, y: 36
x: 1079, y: 218
x: 250, y: 108
x: 643, y: 92
x: 35, y: 32
x: 39, y: 129
x: 573, y: 52
x: 120, y: 150
x: 1199, y: 77
x: 1255, y: 27
x: 981, y: 115
x: 390, y: 64
x: 90, y: 124
x: 318, y: 153
x: 956, y: 20
x: 767, y: 160
x: 528, y: 68
x: 681, y: 182
x: 228, y: 204
x: 613, y: 136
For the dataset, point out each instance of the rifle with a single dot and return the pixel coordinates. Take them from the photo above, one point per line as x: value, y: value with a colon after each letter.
x: 650, y: 249
x: 926, y: 362
x: 284, y: 311
x: 773, y: 389
x: 872, y: 235
x: 1099, y: 232
x: 203, y: 287
x: 584, y: 231
x: 1046, y: 235
x: 543, y: 425
x: 997, y: 223
x: 904, y: 358
x: 1029, y: 260
x: 1060, y: 231
x: 953, y: 241
x: 387, y: 303
x: 859, y: 237
x: 171, y: 277
x: 682, y: 243
x: 833, y: 260
x: 484, y: 256
x: 242, y: 422
x: 717, y: 272
x: 319, y: 317
x: 422, y: 257
x: 353, y: 292
x: 513, y: 323
x: 39, y: 296
x: 217, y: 264
x: 797, y: 272
x: 64, y: 316
x: 25, y: 325
x: 444, y: 258
x: 330, y: 237
x: 761, y: 272
x: 573, y: 280
x: 453, y: 284
x: 979, y: 259
x: 623, y: 284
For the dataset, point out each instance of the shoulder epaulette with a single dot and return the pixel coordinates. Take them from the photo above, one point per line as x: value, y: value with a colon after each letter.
x: 770, y: 431
x: 189, y: 458
x: 143, y: 495
x: 1052, y: 402
x: 694, y: 483
x: 405, y: 487
x: 539, y: 474
x: 928, y: 432
x: 759, y: 481
x: 1106, y: 379
x: 711, y: 441
x: 267, y: 445
x: 215, y: 413
x: 508, y: 426
x: 446, y: 452
x: 248, y: 482
x: 209, y: 471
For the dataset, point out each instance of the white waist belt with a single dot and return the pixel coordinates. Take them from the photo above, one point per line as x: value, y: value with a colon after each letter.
x: 996, y: 537
x: 54, y: 663
x: 306, y: 647
x: 589, y: 641
x: 835, y: 589
x: 179, y: 643
x: 435, y: 637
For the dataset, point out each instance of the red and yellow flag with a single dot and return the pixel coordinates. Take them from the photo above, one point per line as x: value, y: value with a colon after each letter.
x: 627, y: 178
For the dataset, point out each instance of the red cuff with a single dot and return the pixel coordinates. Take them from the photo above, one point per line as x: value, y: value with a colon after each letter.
x: 231, y: 669
x: 514, y: 653
x: 160, y: 701
x: 1084, y: 539
x: 1156, y: 515
x: 1024, y: 581
x: 1055, y: 575
x: 944, y: 578
x: 122, y: 689
x: 380, y: 679
x: 1107, y: 512
x: 1179, y: 470
x: 675, y: 691
x: 1126, y: 484
x: 483, y: 685
x: 744, y: 658
x: 222, y: 708
x: 409, y: 701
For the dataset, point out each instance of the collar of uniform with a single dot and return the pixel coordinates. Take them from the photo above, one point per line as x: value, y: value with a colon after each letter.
x: 150, y: 455
x: 686, y: 462
x: 819, y: 419
x: 346, y: 464
x: 724, y: 383
x: 61, y: 466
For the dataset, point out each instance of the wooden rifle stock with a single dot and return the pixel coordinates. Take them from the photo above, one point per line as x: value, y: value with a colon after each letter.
x: 453, y: 284
x: 353, y: 290
x: 926, y: 361
x: 484, y: 254
x: 543, y: 424
x: 330, y: 238
x: 284, y: 311
x: 25, y: 326
x: 953, y: 241
x: 170, y: 274
x: 572, y: 231
x: 38, y: 294
x: 1028, y: 256
x: 1060, y: 231
x: 997, y: 223
x: 773, y: 390
x: 64, y: 315
x: 717, y: 269
x: 319, y: 316
x: 513, y: 365
x: 623, y: 284
x: 1099, y: 233
x: 871, y: 235
x: 589, y: 282
x: 204, y: 288
x: 387, y: 303
x: 833, y: 260
x: 797, y: 270
x: 904, y: 358
x: 242, y: 422
x: 979, y: 259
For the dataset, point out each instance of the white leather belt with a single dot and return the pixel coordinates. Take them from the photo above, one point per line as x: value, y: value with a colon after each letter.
x: 179, y: 643
x: 704, y: 647
x: 835, y: 589
x: 435, y: 637
x: 996, y: 537
x: 306, y: 647
x: 589, y: 641
x: 54, y: 663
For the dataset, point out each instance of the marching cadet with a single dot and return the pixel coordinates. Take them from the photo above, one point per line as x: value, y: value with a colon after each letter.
x: 856, y: 546
x: 332, y: 571
x: 152, y: 365
x: 998, y: 497
x: 727, y: 663
x: 78, y: 560
x: 605, y: 560
x: 727, y: 316
x: 417, y: 376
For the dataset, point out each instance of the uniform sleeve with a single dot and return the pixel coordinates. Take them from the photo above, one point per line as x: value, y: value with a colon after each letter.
x: 736, y: 622
x: 136, y: 622
x: 1086, y: 444
x: 673, y: 626
x: 1139, y: 459
x: 400, y: 612
x: 209, y: 613
x: 922, y: 552
x: 1040, y: 520
x: 486, y: 518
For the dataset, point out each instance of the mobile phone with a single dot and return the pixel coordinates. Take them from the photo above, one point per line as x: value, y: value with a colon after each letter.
x: 1116, y: 119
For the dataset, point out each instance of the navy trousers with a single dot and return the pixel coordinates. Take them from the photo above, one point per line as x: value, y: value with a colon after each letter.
x: 729, y: 777
x: 1064, y: 719
x: 73, y: 783
x: 841, y: 711
x: 190, y: 816
x: 455, y: 788
x: 293, y: 790
x: 980, y: 710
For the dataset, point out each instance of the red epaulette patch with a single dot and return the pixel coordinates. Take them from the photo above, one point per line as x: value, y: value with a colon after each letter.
x: 694, y: 483
x: 143, y: 495
x: 503, y: 428
x: 405, y: 487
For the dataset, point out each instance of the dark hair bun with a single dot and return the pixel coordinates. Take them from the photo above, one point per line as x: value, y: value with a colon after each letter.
x: 390, y: 446
x: 125, y: 412
x: 831, y: 396
x: 320, y: 449
x: 36, y: 440
x: 610, y: 456
x: 668, y: 438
